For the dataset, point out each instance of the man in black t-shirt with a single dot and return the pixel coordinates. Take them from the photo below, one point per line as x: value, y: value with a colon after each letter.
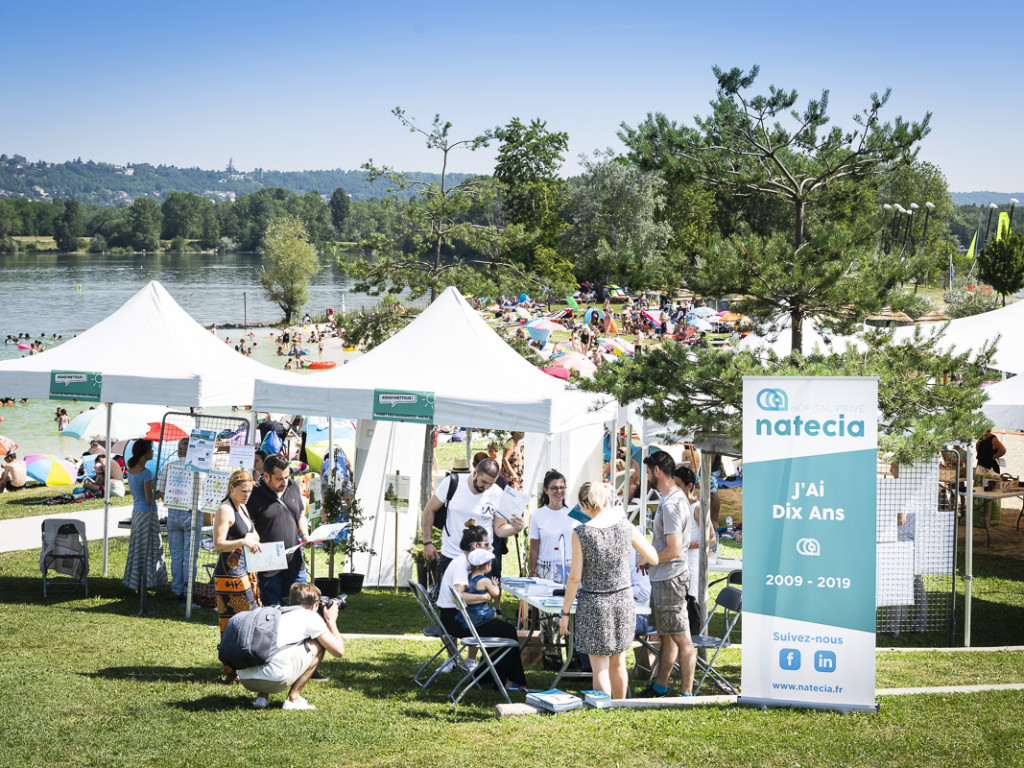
x: 277, y: 510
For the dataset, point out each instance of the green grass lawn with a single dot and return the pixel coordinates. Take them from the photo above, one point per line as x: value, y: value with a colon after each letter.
x: 87, y: 682
x: 27, y: 503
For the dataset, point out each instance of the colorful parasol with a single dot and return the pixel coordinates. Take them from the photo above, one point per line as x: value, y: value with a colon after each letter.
x: 49, y: 470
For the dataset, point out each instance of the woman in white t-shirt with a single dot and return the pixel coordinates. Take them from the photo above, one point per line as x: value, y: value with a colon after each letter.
x: 551, y: 532
x: 685, y: 481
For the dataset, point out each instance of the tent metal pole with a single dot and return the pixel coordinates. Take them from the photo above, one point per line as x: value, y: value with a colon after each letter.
x: 106, y: 492
x: 969, y: 547
x: 705, y: 516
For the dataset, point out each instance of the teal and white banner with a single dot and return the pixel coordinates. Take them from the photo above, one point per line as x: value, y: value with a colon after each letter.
x: 809, y: 458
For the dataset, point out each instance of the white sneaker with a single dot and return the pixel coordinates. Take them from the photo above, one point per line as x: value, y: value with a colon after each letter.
x: 261, y: 702
x: 449, y: 665
x: 470, y: 664
x: 299, y: 703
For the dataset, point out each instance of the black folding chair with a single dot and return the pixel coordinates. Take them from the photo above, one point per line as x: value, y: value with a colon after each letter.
x: 502, y: 645
x: 730, y: 603
x: 434, y: 629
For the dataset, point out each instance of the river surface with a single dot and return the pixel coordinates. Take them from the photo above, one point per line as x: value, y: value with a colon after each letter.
x: 40, y: 295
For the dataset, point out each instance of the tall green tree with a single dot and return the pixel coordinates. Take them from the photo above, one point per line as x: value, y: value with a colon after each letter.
x: 144, y: 220
x: 290, y: 260
x: 1001, y: 264
x: 828, y: 176
x: 656, y: 145
x: 614, y: 234
x: 69, y: 227
x: 533, y: 196
x: 437, y: 243
x: 183, y: 214
x: 339, y: 206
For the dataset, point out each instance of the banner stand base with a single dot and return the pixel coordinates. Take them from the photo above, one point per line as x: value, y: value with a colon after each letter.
x: 843, y: 709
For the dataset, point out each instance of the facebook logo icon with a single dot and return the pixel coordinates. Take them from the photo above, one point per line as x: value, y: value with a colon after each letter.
x: 789, y: 658
x: 825, y: 661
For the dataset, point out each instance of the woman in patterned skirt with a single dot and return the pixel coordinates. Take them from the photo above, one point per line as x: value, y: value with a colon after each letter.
x: 600, y: 572
x: 237, y: 590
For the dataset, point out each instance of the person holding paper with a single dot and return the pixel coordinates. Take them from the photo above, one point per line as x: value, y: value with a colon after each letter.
x: 278, y: 511
x: 237, y: 590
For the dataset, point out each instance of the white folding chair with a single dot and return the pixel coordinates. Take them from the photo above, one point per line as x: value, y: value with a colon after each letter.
x: 730, y: 601
x: 485, y: 645
x: 434, y: 629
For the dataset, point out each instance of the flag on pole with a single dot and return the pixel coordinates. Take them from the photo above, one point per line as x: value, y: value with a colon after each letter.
x: 1004, y: 221
x: 970, y: 251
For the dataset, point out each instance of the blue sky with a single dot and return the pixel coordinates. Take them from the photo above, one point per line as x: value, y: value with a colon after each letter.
x: 310, y: 85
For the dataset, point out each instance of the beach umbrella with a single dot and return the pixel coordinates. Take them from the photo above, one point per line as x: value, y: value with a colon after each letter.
x: 703, y: 312
x: 538, y: 334
x: 524, y: 313
x: 170, y: 432
x: 7, y: 445
x: 49, y: 470
x: 523, y: 297
x: 701, y: 325
x: 572, y: 303
x: 127, y: 421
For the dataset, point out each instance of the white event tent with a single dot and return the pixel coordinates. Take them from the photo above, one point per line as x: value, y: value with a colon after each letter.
x: 972, y: 333
x: 477, y: 380
x: 150, y: 351
x: 1005, y: 404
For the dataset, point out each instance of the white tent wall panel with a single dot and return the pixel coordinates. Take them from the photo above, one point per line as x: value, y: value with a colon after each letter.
x: 382, y: 448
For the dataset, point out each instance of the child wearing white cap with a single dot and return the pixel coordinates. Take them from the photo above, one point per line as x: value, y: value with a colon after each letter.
x: 479, y: 584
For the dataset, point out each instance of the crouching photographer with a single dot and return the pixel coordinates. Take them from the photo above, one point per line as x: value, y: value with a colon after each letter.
x: 304, y: 632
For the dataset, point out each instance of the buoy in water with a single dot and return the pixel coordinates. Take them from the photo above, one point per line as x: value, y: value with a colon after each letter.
x: 78, y: 287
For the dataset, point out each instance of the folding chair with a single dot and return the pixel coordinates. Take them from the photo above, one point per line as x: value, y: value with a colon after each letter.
x: 434, y: 629
x: 730, y: 601
x: 65, y: 550
x: 486, y: 644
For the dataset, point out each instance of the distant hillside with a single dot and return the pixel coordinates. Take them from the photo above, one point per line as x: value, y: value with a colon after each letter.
x: 984, y: 198
x: 106, y: 184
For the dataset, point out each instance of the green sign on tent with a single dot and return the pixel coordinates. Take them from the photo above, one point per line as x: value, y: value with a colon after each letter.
x: 76, y: 385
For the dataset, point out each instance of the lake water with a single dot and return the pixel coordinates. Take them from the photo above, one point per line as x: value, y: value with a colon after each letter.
x: 39, y: 296
x: 39, y: 293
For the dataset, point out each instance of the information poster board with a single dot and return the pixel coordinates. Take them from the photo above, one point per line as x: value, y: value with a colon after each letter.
x: 809, y: 457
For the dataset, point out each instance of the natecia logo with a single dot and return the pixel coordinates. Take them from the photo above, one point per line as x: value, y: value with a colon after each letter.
x: 773, y: 400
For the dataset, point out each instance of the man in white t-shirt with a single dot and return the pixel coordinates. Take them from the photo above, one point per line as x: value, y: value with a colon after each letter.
x: 477, y: 498
x: 302, y: 638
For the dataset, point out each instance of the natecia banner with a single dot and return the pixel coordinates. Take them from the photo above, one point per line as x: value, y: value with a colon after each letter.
x: 809, y: 459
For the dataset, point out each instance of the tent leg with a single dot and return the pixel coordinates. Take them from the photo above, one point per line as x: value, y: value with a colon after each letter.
x: 106, y: 494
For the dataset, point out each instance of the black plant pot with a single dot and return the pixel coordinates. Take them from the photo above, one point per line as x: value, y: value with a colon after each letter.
x: 350, y: 583
x: 327, y: 587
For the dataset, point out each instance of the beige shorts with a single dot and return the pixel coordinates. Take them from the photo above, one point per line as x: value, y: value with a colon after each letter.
x: 668, y: 606
x: 281, y: 672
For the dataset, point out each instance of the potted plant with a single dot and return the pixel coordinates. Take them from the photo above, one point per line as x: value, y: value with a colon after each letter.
x: 347, y: 543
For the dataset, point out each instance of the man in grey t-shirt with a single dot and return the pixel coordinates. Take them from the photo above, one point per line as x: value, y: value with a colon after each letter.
x: 670, y: 578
